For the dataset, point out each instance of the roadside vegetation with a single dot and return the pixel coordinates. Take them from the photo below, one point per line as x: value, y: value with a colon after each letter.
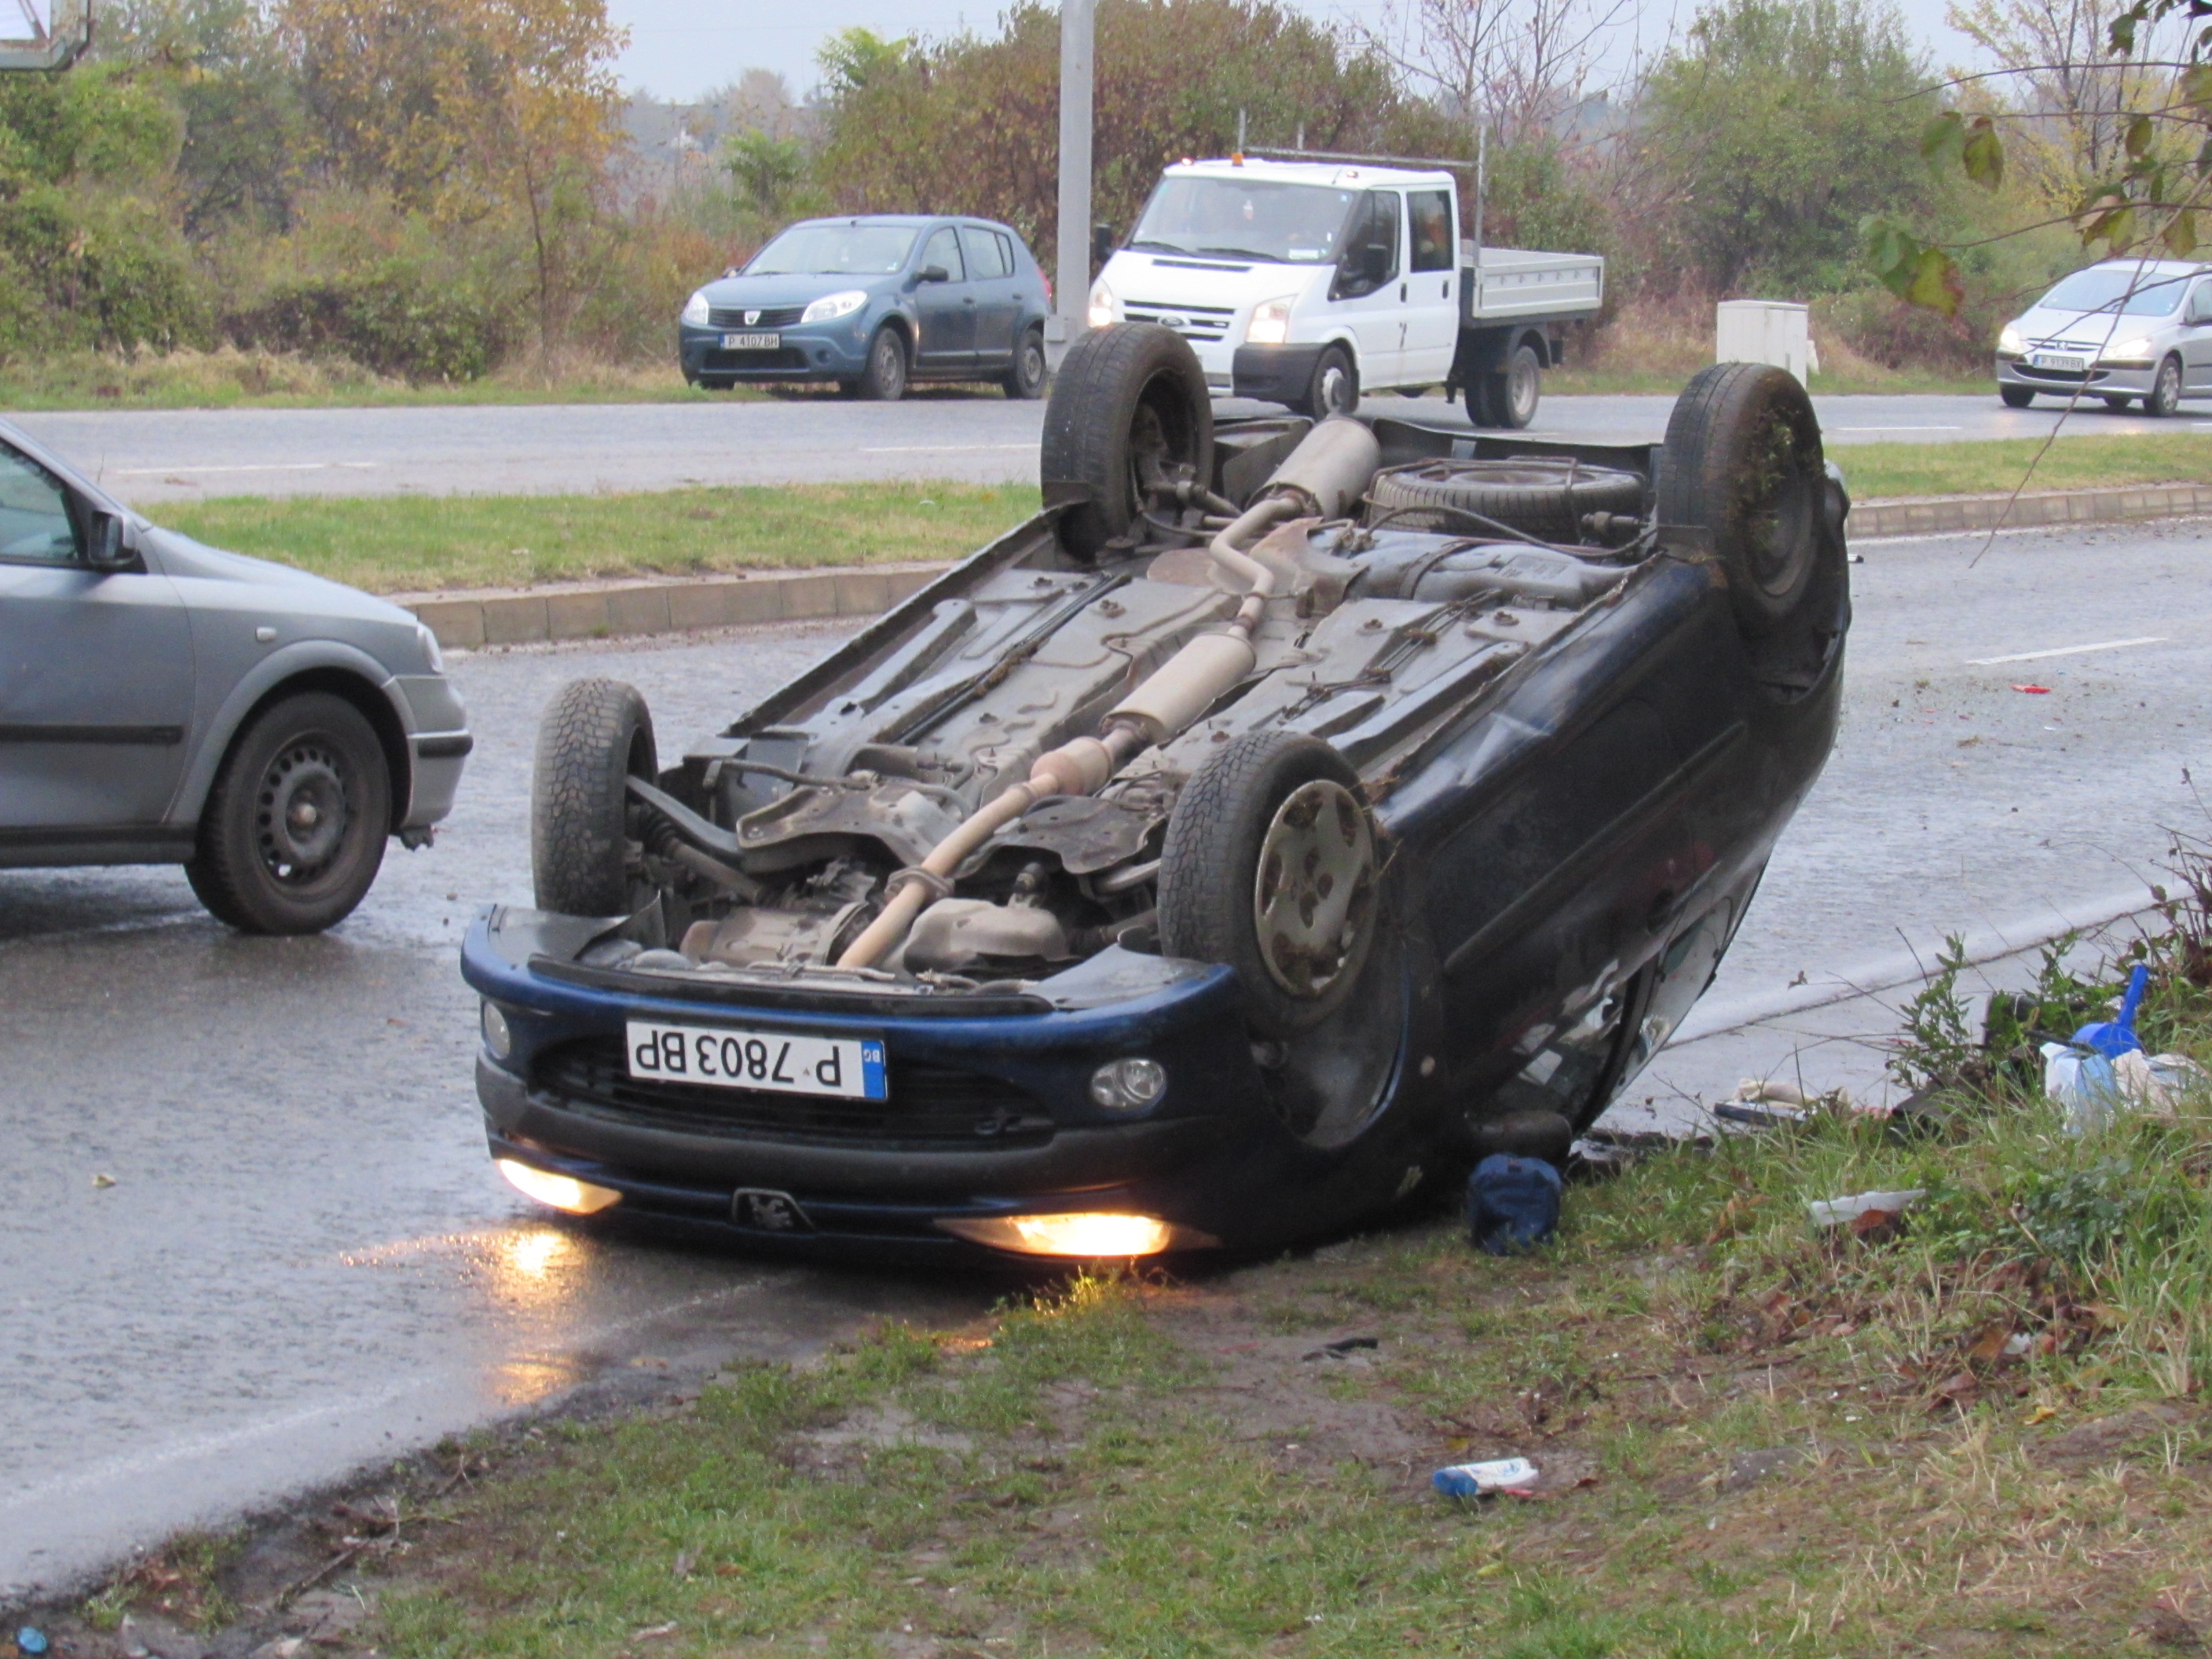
x: 1983, y: 1434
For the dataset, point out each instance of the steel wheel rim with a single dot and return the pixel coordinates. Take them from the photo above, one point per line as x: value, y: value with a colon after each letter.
x: 2169, y: 383
x: 1313, y: 890
x: 891, y: 367
x: 302, y: 811
x: 1521, y: 389
x: 1335, y: 381
x: 1032, y: 363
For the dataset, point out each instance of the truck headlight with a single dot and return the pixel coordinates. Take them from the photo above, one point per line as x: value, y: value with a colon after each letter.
x: 830, y: 306
x: 1104, y: 310
x: 2009, y: 339
x: 2138, y: 346
x: 1270, y: 322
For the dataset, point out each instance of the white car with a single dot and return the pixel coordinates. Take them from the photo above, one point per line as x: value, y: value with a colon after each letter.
x: 2125, y: 330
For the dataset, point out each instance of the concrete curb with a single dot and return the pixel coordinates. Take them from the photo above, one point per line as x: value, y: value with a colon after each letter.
x: 1948, y: 514
x: 677, y: 604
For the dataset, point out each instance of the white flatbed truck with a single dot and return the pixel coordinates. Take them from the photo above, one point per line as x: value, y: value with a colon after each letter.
x: 1307, y: 283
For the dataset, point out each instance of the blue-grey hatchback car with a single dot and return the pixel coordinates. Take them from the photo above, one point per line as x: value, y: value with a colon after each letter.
x: 875, y: 304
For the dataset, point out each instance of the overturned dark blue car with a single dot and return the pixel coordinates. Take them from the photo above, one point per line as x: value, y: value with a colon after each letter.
x: 1229, y: 852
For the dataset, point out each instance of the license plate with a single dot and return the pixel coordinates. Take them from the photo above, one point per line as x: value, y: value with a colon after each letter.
x: 2060, y: 362
x: 751, y: 341
x: 728, y: 1057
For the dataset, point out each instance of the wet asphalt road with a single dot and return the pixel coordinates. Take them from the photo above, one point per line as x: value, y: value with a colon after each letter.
x: 153, y: 457
x: 304, y: 1261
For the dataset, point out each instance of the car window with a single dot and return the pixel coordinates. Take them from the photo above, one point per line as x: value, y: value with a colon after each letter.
x: 944, y: 249
x: 1006, y: 251
x: 35, y: 521
x: 986, y: 257
x: 2115, y: 291
x: 1430, y: 213
x: 817, y: 250
x: 1370, y: 245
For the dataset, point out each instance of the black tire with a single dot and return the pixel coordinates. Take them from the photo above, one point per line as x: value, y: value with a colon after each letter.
x: 1129, y: 409
x: 1546, y: 496
x: 594, y: 734
x: 2017, y: 397
x: 1026, y: 378
x: 293, y: 832
x: 716, y: 382
x: 1743, y: 462
x: 1227, y: 896
x: 1476, y: 396
x: 2165, y: 397
x: 2119, y: 406
x: 1334, y: 388
x: 1512, y: 397
x: 884, y: 380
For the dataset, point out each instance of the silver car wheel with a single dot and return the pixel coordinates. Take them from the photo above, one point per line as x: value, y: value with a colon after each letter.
x: 1314, y: 890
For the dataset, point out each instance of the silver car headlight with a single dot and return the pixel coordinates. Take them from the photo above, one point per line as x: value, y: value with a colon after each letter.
x: 2009, y: 339
x: 431, y: 654
x: 830, y: 306
x: 697, y: 311
x: 2138, y: 346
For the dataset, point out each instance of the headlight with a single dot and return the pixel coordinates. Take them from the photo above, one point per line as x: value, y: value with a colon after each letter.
x: 830, y: 306
x: 562, y: 1192
x: 431, y: 654
x: 2138, y: 346
x: 1128, y: 1085
x: 1084, y: 1235
x: 695, y: 310
x: 2009, y: 339
x: 1104, y: 310
x: 1271, y: 321
x: 497, y: 1036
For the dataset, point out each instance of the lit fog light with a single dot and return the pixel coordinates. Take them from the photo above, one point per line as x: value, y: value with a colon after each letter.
x: 1085, y: 1235
x: 1128, y: 1085
x: 562, y: 1192
x: 497, y: 1037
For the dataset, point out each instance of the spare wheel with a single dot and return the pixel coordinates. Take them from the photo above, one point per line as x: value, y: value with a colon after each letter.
x: 1546, y: 496
x: 1129, y: 411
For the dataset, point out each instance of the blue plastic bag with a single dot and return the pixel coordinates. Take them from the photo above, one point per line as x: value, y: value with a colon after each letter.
x: 1512, y: 1203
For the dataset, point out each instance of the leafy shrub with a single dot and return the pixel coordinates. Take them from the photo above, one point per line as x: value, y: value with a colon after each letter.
x: 392, y: 320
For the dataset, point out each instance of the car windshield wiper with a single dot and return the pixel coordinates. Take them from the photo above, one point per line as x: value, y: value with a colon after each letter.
x: 1247, y: 253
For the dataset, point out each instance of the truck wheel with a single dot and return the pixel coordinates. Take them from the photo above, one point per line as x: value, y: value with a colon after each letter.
x: 594, y: 734
x: 1742, y: 461
x: 2017, y: 397
x: 1335, y: 387
x: 293, y: 832
x: 884, y: 380
x: 1510, y: 398
x: 1545, y: 495
x: 1129, y: 411
x: 1271, y: 865
x: 1026, y: 378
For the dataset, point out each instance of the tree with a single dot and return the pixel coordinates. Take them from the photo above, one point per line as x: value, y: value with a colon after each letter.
x: 1777, y: 126
x: 1521, y: 65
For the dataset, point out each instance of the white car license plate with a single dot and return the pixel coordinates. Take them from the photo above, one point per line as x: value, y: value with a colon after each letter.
x: 751, y: 341
x: 726, y: 1057
x: 2059, y: 361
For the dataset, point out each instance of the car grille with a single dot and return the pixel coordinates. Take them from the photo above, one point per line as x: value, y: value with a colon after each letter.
x: 1192, y: 322
x: 769, y: 317
x: 727, y: 362
x: 931, y: 1106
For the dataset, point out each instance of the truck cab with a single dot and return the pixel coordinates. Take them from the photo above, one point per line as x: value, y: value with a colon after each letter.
x: 1307, y: 283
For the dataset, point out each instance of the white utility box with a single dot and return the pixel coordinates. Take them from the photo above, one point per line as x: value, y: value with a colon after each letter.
x: 1766, y: 332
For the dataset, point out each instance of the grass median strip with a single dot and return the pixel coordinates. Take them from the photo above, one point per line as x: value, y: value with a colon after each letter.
x: 403, y: 544
x: 2073, y: 462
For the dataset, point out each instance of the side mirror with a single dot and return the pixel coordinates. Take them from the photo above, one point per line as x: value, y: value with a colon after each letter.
x: 1101, y: 244
x: 105, y: 546
x: 933, y: 274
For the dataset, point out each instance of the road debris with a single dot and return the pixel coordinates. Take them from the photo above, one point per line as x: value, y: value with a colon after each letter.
x: 1513, y: 1475
x: 1512, y: 1203
x: 102, y: 1183
x: 32, y: 1641
x: 1863, y: 1211
x: 2034, y: 690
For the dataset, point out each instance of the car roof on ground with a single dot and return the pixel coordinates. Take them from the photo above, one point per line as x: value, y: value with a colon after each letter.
x: 1341, y: 175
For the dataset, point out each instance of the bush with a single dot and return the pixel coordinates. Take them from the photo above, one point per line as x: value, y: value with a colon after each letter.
x: 392, y: 320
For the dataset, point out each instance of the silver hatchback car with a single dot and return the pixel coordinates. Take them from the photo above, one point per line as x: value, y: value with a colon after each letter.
x: 162, y: 702
x: 2124, y: 331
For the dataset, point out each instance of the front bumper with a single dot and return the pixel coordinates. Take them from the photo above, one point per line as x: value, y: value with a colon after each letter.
x: 1275, y: 374
x: 439, y: 742
x: 2102, y: 379
x: 805, y: 351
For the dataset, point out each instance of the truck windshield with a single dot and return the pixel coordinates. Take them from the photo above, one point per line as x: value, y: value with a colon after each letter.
x: 1245, y: 218
x: 835, y: 251
x: 2105, y: 288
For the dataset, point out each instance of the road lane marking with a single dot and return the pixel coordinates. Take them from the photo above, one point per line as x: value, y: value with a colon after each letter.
x: 1896, y: 429
x: 262, y: 466
x: 940, y: 449
x: 2065, y: 651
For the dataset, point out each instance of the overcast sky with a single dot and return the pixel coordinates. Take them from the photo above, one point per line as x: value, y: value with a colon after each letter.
x: 681, y: 48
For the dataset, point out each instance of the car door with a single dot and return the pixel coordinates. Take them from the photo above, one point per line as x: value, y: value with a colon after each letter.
x: 1363, y: 295
x: 96, y: 670
x: 2196, y: 338
x: 997, y: 293
x: 945, y: 308
x: 1430, y: 289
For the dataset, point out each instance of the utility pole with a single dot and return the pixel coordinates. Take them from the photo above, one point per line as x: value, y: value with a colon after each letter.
x: 1072, y: 292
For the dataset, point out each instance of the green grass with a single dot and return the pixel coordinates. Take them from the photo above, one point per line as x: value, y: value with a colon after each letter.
x: 2072, y: 463
x: 399, y: 543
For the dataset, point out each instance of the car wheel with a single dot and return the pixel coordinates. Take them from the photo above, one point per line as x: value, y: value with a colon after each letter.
x: 715, y: 382
x: 1743, y: 461
x: 1547, y: 497
x: 1512, y: 397
x: 594, y: 735
x: 293, y: 832
x: 2017, y: 397
x: 1335, y: 387
x: 2165, y: 397
x: 1271, y: 865
x: 884, y: 380
x: 1129, y: 411
x: 2119, y: 406
x: 1026, y: 378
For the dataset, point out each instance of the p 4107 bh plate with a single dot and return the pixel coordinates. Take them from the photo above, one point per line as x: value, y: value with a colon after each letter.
x: 731, y: 1057
x: 751, y: 341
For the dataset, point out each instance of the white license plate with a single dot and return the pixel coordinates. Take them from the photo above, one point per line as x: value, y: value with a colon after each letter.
x: 2062, y: 364
x: 751, y: 341
x: 728, y: 1057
